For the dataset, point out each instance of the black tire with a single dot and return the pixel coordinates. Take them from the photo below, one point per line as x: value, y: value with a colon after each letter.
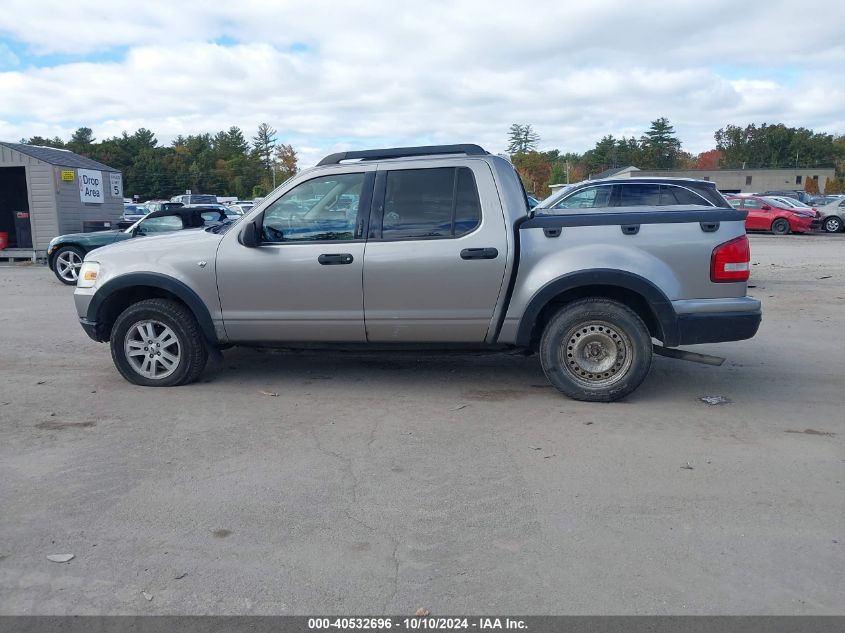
x: 67, y: 253
x: 780, y: 227
x: 191, y: 352
x: 607, y: 327
x: 833, y: 224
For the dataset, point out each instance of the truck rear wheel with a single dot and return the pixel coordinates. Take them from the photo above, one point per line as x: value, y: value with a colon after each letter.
x: 158, y: 343
x: 595, y: 349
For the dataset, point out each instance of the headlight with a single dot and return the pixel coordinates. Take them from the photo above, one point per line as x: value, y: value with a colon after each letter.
x: 88, y: 274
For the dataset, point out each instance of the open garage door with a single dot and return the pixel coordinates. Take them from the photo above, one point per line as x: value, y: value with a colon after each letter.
x: 14, y: 208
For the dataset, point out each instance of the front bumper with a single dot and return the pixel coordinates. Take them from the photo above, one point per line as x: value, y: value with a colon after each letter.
x: 90, y: 328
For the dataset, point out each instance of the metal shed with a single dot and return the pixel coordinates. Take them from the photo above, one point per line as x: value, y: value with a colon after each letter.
x: 45, y: 192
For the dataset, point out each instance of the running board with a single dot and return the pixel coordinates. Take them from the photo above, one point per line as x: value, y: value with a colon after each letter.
x: 682, y: 354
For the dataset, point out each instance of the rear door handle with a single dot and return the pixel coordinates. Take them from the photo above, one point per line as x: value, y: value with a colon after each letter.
x: 479, y: 253
x: 335, y: 259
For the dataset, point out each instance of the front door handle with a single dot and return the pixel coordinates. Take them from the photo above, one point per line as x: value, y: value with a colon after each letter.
x: 479, y: 253
x: 335, y: 259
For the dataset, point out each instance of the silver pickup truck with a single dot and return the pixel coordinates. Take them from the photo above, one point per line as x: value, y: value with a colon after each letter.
x: 427, y: 246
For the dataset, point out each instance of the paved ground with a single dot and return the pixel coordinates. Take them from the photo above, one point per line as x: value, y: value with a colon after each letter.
x: 383, y: 483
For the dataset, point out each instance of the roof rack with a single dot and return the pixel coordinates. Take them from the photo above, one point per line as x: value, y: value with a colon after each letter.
x: 401, y: 152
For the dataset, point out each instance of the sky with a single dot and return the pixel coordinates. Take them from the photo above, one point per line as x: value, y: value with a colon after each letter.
x: 336, y: 75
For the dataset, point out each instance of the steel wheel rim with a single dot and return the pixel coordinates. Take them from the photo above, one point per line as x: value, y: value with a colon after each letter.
x: 68, y: 265
x: 152, y: 349
x: 596, y: 353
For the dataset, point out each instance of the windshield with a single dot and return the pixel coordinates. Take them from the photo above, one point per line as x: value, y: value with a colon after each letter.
x: 556, y: 195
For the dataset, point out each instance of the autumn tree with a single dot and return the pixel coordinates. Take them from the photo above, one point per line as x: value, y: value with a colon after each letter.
x: 286, y: 161
x: 811, y: 185
x: 535, y: 171
x: 522, y: 138
x: 829, y: 185
x: 708, y: 160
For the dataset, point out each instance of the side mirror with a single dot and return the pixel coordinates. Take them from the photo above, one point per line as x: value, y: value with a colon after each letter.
x: 251, y: 234
x: 766, y: 207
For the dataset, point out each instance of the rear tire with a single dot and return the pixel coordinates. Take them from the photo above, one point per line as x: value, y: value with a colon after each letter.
x: 833, y: 224
x: 780, y: 227
x: 596, y: 350
x: 66, y: 264
x: 158, y: 343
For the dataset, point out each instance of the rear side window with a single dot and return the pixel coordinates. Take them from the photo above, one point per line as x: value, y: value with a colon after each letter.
x: 639, y: 195
x: 430, y: 203
x: 670, y: 194
x: 711, y: 194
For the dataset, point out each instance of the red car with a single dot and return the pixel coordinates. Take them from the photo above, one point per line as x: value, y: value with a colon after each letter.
x: 767, y: 214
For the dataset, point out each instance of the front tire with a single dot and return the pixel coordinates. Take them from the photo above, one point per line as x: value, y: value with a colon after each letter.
x: 158, y: 343
x: 596, y: 350
x: 780, y: 227
x: 66, y: 264
x: 833, y: 224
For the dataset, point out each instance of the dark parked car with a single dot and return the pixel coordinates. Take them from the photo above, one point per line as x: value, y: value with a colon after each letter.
x: 66, y: 252
x: 634, y: 192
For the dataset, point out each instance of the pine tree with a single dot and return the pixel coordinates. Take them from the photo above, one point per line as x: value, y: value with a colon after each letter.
x: 522, y: 138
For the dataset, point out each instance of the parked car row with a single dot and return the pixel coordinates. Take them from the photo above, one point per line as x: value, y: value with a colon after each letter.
x: 66, y: 252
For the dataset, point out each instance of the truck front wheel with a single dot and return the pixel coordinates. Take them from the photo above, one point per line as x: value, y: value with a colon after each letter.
x: 595, y: 349
x: 157, y: 343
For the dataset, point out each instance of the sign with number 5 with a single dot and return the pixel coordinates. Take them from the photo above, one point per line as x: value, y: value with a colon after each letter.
x: 116, y: 184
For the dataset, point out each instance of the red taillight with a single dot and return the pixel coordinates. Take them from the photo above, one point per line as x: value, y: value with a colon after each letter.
x: 731, y: 261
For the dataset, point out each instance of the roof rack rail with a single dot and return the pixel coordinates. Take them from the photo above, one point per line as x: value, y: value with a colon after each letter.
x: 401, y: 152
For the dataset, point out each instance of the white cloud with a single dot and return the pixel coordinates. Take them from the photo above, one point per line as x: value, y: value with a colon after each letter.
x: 382, y: 72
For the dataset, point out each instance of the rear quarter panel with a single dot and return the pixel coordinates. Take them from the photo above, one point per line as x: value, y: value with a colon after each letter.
x: 675, y: 257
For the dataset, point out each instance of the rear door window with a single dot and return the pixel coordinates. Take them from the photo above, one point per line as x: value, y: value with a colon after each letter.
x: 430, y: 203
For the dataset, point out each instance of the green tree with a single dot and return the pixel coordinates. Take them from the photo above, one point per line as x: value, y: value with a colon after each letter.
x: 44, y: 142
x: 661, y: 148
x: 81, y: 141
x: 522, y: 138
x: 263, y: 143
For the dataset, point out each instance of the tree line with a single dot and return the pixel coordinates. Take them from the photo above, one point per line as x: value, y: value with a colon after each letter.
x: 227, y: 164
x: 224, y: 164
x: 736, y: 147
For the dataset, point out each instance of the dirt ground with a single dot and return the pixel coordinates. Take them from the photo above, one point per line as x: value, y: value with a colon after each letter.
x: 303, y: 483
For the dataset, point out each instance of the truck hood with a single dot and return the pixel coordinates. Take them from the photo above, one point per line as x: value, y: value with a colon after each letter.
x: 153, y: 246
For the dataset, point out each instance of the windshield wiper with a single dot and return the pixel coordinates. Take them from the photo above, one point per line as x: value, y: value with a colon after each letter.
x: 221, y: 227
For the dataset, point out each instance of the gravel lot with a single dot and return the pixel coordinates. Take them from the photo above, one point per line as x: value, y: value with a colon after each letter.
x: 464, y: 484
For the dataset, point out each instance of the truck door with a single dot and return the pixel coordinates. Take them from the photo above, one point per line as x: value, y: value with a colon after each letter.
x: 436, y: 253
x: 303, y: 281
